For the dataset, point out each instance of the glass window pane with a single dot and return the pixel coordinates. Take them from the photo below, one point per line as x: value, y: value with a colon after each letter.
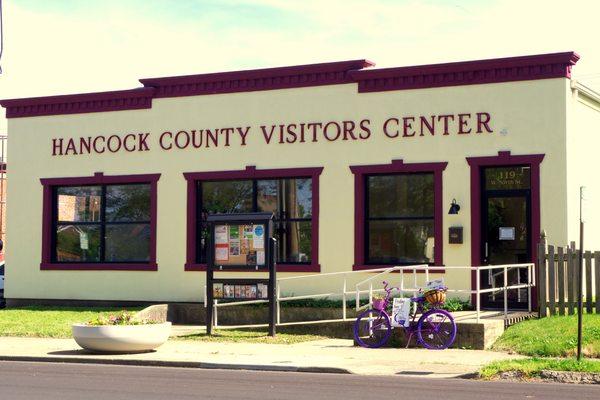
x: 78, y: 243
x: 298, y: 198
x: 127, y: 242
x: 287, y: 198
x: 294, y: 241
x: 128, y: 202
x: 504, y: 178
x: 227, y: 196
x: 79, y: 203
x: 401, y: 241
x: 404, y: 195
x: 268, y: 195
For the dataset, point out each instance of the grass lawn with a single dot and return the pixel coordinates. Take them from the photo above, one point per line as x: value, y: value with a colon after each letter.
x: 247, y: 336
x: 554, y: 336
x: 47, y: 321
x: 56, y: 322
x: 531, y: 367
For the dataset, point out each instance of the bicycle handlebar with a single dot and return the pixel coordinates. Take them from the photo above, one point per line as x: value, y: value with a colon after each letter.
x: 385, y: 287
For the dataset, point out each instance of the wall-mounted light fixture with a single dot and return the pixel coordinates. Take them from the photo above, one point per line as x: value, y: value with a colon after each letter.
x: 454, y: 207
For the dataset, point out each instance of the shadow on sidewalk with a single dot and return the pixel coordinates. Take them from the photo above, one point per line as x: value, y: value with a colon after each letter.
x: 82, y: 352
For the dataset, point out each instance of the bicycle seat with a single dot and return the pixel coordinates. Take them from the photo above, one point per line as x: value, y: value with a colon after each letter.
x: 418, y: 299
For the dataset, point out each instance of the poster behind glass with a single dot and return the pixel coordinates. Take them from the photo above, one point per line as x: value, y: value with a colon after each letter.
x: 239, y: 244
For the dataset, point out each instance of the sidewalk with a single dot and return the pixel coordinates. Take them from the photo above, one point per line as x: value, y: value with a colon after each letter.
x: 330, y: 355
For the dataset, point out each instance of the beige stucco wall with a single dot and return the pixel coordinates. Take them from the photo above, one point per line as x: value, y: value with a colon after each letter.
x: 582, y: 153
x: 527, y: 117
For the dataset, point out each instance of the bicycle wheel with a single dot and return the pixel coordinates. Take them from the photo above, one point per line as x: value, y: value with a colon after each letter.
x: 436, y: 329
x: 372, y: 328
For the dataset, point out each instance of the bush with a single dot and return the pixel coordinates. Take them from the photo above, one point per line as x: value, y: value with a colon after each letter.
x: 456, y: 304
x: 451, y: 304
x: 121, y: 318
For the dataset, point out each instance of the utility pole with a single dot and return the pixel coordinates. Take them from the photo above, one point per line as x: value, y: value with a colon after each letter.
x: 580, y: 297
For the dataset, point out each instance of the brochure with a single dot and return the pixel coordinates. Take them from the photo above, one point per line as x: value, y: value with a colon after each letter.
x: 234, y: 247
x: 218, y: 290
x: 258, y: 240
x: 260, y: 257
x: 221, y: 236
x: 263, y: 292
x: 221, y: 253
x: 248, y: 232
x: 251, y: 258
x: 401, y: 312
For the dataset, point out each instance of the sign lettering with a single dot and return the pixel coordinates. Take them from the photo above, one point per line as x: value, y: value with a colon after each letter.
x: 396, y: 127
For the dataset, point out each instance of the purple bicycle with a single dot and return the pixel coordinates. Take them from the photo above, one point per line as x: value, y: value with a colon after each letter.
x: 435, y: 329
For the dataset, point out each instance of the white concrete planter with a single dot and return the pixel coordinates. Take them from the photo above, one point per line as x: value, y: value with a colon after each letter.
x: 121, y: 338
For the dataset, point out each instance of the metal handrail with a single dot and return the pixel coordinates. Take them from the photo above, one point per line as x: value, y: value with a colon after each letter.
x: 380, y: 272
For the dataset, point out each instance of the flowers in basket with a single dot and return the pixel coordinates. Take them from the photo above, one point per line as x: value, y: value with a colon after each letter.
x: 378, y: 301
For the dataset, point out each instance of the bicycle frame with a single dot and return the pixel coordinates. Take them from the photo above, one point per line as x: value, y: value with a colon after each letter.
x: 417, y: 312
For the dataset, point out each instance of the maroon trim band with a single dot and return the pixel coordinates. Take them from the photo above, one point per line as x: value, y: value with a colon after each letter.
x: 133, y: 99
x: 504, y: 158
x: 395, y: 167
x: 97, y: 179
x: 541, y: 66
x: 332, y: 73
x: 252, y: 173
x: 99, y: 267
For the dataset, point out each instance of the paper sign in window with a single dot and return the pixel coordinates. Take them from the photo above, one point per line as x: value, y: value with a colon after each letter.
x: 506, y: 233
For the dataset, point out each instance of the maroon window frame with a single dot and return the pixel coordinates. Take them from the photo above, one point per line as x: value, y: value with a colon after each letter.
x: 503, y: 159
x: 395, y: 167
x: 252, y: 172
x: 97, y: 179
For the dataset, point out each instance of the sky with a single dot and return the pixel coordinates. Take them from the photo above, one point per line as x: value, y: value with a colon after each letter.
x: 72, y: 46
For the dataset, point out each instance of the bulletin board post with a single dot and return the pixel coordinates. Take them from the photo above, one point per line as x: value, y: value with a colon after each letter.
x: 241, y: 243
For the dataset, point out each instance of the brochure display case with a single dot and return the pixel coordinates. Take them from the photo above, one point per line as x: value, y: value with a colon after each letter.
x: 243, y: 243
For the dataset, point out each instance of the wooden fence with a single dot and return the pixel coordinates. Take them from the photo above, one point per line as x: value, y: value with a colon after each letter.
x: 558, y: 279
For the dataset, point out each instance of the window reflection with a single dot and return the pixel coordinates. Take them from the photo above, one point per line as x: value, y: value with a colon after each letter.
x: 109, y: 223
x: 79, y: 204
x: 400, y: 218
x: 290, y: 199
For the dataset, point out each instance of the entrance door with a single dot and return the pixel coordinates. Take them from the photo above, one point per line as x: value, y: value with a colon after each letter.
x: 506, y: 230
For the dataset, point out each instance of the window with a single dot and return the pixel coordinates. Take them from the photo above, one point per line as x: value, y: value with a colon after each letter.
x: 400, y: 219
x: 109, y: 223
x: 291, y: 194
x: 398, y: 214
x: 289, y: 199
x: 100, y: 222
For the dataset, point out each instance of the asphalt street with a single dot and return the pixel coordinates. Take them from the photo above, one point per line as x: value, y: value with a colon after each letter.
x: 53, y: 381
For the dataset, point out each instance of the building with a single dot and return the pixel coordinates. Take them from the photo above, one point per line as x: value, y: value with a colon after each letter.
x: 360, y: 165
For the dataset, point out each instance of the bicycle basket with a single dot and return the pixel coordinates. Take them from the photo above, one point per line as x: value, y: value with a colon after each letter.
x: 435, y: 296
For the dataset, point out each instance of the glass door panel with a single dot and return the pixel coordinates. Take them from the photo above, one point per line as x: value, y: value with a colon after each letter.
x: 505, y: 233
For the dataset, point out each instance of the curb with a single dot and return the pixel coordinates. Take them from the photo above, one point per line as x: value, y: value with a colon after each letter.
x: 580, y: 377
x: 178, y: 364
